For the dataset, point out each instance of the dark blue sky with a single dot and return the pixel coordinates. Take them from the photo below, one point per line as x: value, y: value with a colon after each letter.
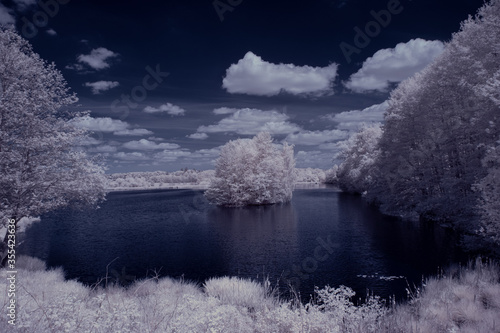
x: 282, y: 63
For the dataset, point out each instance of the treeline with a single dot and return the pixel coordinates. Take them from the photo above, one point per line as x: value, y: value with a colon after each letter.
x: 437, y: 156
x: 158, y: 178
x: 201, y: 178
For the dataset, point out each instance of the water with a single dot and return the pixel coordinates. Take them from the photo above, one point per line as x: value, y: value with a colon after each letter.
x: 322, y: 237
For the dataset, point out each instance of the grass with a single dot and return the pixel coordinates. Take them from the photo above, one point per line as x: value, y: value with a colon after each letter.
x: 467, y: 299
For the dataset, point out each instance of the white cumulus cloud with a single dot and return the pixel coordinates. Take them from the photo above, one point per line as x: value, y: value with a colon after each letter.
x: 171, y: 155
x: 133, y: 132
x: 98, y: 58
x: 394, y: 65
x: 169, y: 108
x: 224, y: 110
x: 108, y: 125
x: 254, y: 76
x: 313, y: 138
x: 252, y: 121
x: 6, y: 17
x: 144, y: 144
x: 100, y: 86
x: 198, y: 136
x: 353, y: 120
x: 104, y: 149
x: 135, y: 156
x: 103, y: 124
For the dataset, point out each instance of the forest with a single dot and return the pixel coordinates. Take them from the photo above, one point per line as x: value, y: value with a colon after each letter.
x: 436, y: 157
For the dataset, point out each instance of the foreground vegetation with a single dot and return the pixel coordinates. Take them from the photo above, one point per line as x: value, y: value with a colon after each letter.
x: 463, y: 300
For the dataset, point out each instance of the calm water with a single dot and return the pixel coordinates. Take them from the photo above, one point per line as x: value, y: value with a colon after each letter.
x: 322, y: 237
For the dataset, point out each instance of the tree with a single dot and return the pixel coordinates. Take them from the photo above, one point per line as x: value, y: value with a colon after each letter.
x: 253, y: 172
x: 489, y: 188
x: 440, y: 125
x: 40, y: 167
x: 359, y: 154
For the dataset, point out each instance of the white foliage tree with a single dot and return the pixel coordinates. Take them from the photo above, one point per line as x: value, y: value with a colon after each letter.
x: 359, y: 154
x: 40, y: 169
x: 439, y: 126
x: 489, y: 187
x: 331, y: 175
x: 253, y: 172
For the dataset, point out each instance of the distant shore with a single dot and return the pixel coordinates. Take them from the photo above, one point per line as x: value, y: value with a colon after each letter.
x: 191, y: 186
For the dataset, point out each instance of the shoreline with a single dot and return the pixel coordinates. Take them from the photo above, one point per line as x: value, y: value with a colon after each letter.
x: 191, y: 186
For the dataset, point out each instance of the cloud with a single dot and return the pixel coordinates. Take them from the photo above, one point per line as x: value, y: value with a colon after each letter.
x: 104, y: 124
x: 254, y: 76
x: 313, y: 138
x: 198, y: 136
x: 24, y: 4
x: 353, y: 120
x: 6, y: 17
x: 144, y: 144
x: 314, y: 159
x: 252, y: 121
x: 224, y: 110
x: 154, y: 138
x: 133, y: 132
x: 108, y: 125
x: 98, y: 58
x: 135, y: 156
x: 394, y: 65
x: 169, y: 108
x: 103, y: 149
x: 88, y: 141
x: 171, y: 155
x: 75, y: 67
x: 100, y: 86
x: 211, y: 153
x: 51, y: 32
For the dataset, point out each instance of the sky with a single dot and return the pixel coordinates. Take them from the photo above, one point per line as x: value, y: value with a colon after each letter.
x: 167, y: 83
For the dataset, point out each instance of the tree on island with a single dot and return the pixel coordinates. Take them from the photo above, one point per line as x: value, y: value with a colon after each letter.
x: 253, y: 172
x: 40, y: 167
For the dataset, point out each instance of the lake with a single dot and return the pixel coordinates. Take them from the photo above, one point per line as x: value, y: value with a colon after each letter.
x: 322, y: 237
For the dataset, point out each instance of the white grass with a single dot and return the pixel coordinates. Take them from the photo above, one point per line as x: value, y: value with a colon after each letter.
x: 464, y: 300
x: 467, y: 300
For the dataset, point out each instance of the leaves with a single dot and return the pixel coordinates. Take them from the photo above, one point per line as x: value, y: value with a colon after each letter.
x: 253, y: 172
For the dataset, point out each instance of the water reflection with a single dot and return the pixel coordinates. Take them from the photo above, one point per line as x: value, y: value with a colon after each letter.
x: 262, y: 237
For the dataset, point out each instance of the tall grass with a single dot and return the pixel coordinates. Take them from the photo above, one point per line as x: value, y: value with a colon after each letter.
x: 465, y: 300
